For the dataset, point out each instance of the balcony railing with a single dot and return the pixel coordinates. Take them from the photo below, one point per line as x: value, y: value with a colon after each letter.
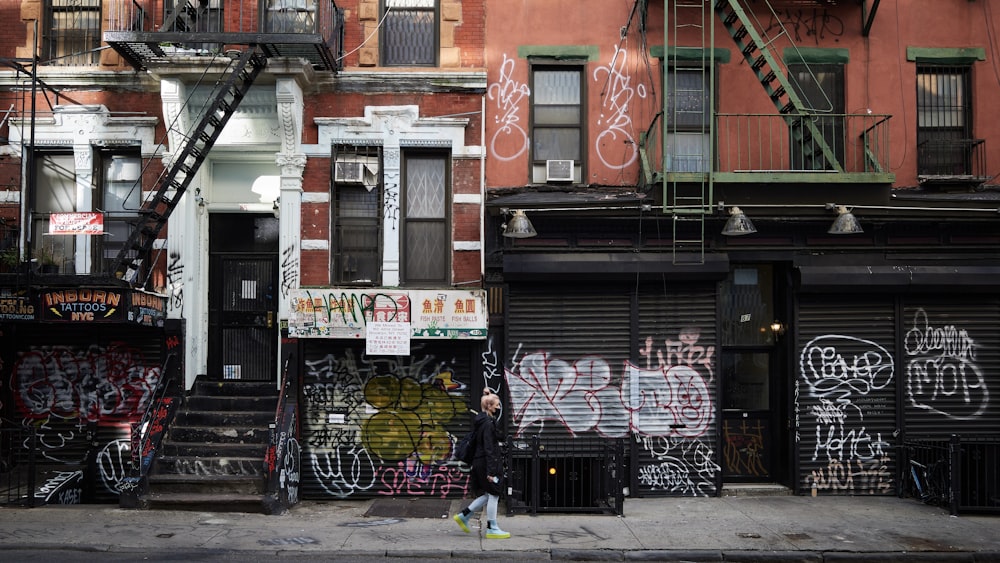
x: 775, y: 148
x: 145, y: 30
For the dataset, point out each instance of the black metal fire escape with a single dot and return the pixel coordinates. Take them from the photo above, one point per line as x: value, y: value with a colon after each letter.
x: 196, y: 25
x: 175, y: 181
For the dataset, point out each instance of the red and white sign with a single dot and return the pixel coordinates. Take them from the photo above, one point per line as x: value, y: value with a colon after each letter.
x: 90, y: 223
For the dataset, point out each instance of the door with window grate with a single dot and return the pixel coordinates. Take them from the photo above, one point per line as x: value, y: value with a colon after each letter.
x: 243, y: 299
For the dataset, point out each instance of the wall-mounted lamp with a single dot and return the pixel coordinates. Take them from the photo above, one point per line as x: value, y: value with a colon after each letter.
x: 738, y: 224
x: 777, y: 328
x: 845, y: 223
x: 519, y: 226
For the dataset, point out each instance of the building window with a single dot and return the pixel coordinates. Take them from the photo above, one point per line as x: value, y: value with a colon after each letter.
x: 120, y: 198
x: 821, y: 88
x: 557, y: 123
x: 424, y: 234
x: 199, y: 17
x: 291, y: 16
x: 72, y: 34
x: 409, y: 33
x: 357, y: 245
x: 688, y: 140
x: 55, y: 192
x: 944, y: 121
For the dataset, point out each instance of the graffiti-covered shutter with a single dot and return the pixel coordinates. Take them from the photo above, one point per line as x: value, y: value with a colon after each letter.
x: 385, y: 426
x: 566, y: 354
x: 673, y: 403
x: 845, y: 395
x: 950, y: 366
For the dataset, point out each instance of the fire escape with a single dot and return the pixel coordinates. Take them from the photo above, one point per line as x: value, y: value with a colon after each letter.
x: 689, y: 170
x: 246, y: 33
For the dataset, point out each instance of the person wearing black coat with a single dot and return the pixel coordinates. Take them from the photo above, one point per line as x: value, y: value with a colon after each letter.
x: 487, y: 468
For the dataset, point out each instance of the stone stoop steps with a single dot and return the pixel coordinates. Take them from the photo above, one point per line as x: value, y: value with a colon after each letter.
x: 212, y: 457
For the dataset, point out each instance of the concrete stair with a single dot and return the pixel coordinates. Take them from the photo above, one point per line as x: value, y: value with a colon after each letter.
x: 212, y: 457
x: 755, y: 490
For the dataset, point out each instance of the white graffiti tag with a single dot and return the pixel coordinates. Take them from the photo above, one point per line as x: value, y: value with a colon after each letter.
x: 508, y: 94
x: 615, y: 121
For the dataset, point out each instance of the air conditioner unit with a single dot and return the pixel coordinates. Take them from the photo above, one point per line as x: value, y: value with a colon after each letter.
x: 559, y: 170
x: 349, y: 172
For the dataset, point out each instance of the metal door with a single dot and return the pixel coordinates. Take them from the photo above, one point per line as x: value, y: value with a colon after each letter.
x: 748, y: 416
x: 243, y: 300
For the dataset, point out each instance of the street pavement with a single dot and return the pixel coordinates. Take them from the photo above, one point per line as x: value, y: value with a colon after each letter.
x: 731, y: 528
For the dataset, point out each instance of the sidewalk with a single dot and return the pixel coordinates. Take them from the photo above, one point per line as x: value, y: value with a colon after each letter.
x: 772, y: 528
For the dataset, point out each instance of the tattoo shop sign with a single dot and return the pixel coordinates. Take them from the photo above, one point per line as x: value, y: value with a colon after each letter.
x: 388, y: 318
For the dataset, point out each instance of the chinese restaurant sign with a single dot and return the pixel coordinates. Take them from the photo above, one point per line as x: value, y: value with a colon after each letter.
x: 347, y: 313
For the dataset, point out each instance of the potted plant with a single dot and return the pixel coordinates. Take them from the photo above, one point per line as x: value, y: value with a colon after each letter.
x: 46, y: 260
x: 10, y: 257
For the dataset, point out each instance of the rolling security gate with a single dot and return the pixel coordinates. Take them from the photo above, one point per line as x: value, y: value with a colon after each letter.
x: 845, y: 395
x: 567, y: 351
x: 607, y: 363
x: 376, y: 426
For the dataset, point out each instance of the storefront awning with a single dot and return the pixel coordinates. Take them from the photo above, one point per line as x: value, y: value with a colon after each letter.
x: 898, y: 278
x: 615, y: 265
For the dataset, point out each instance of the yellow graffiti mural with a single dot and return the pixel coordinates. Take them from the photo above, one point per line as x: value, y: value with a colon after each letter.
x: 410, y: 421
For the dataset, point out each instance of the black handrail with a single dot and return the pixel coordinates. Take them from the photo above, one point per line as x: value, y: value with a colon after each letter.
x: 279, y: 493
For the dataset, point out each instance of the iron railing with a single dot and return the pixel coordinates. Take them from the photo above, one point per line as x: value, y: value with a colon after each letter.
x: 281, y: 462
x: 771, y: 143
x: 147, y: 434
x: 18, y: 459
x: 548, y: 474
x: 957, y: 473
x: 224, y: 16
x: 958, y: 160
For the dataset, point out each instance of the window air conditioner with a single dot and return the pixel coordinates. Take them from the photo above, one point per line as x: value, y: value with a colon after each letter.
x: 349, y: 172
x: 559, y: 170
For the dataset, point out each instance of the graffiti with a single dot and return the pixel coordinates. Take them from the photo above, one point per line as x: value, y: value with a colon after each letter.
x: 846, y: 388
x: 683, y: 351
x: 62, y: 488
x: 508, y: 94
x: 744, y: 448
x: 390, y: 203
x: 672, y: 401
x: 815, y: 25
x: 870, y: 477
x: 113, y: 462
x: 289, y: 270
x: 492, y: 376
x: 216, y: 466
x: 412, y: 479
x: 683, y: 467
x: 941, y: 367
x: 175, y: 280
x: 343, y: 472
x: 379, y: 423
x: 827, y: 372
x: 615, y: 121
x: 291, y: 475
x: 91, y: 383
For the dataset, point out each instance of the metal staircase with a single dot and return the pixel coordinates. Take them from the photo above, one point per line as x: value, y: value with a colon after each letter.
x: 806, y: 137
x: 198, y: 142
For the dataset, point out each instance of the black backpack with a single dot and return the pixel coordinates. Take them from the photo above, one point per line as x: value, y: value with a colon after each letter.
x: 465, y: 449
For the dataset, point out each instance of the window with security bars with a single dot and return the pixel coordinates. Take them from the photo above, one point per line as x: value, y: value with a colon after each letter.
x: 687, y: 140
x: 944, y: 121
x: 72, y: 33
x: 424, y: 238
x: 409, y: 32
x: 357, y: 257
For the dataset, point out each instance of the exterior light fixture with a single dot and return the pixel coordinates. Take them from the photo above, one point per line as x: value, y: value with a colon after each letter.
x: 738, y: 224
x: 519, y: 226
x: 777, y: 328
x: 845, y: 223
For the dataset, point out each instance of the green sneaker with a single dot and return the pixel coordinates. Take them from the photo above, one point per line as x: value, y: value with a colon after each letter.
x: 463, y: 522
x: 493, y: 532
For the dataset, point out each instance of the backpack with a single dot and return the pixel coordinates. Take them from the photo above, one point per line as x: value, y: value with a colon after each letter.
x: 465, y: 449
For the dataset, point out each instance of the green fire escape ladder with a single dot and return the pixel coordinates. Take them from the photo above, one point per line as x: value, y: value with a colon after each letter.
x: 172, y: 184
x: 806, y: 137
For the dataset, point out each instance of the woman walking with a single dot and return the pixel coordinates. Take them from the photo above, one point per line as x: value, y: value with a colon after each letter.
x: 487, y: 468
